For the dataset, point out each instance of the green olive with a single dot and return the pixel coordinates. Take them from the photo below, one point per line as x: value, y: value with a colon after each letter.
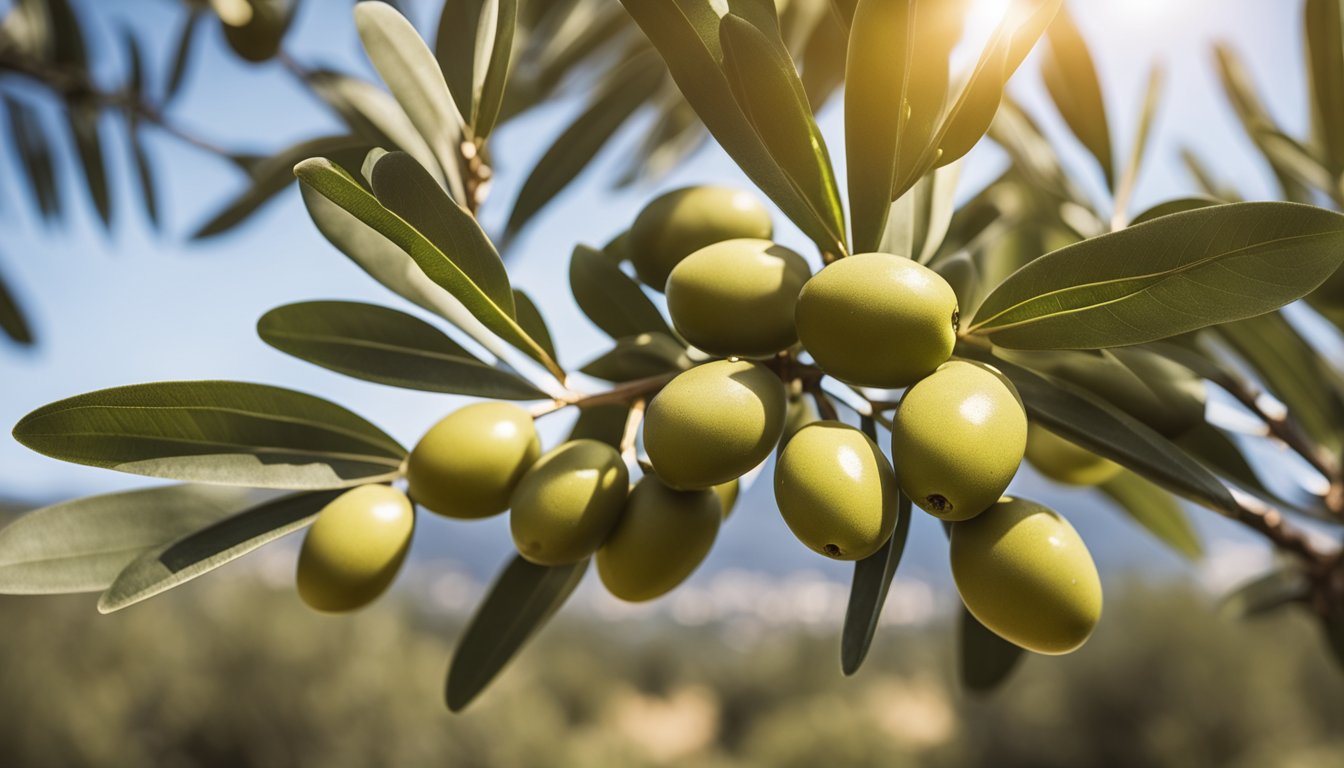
x: 1024, y: 573
x: 1064, y: 462
x: 354, y: 550
x: 467, y: 465
x: 256, y: 35
x: 836, y: 491
x: 727, y: 493
x: 662, y: 537
x: 678, y: 223
x: 568, y: 502
x: 877, y: 320
x: 957, y: 439
x: 737, y: 297
x: 713, y: 423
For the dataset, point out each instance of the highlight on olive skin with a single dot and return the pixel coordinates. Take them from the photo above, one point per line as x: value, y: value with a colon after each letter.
x: 661, y: 538
x: 957, y: 439
x: 446, y: 478
x: 1025, y: 574
x: 568, y: 502
x: 836, y: 491
x: 737, y: 297
x: 355, y: 548
x: 678, y: 223
x: 713, y: 423
x: 878, y: 320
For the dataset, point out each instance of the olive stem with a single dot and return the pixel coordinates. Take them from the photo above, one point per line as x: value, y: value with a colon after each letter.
x: 1287, y: 430
x: 825, y: 407
x: 1271, y: 523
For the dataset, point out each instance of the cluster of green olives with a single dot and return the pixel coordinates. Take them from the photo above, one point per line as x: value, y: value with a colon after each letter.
x: 753, y: 307
x: 872, y: 320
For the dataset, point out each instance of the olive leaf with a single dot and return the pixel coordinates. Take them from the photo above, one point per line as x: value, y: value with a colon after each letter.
x: 1124, y: 188
x: 199, y: 552
x: 473, y: 46
x: 391, y: 266
x: 610, y: 298
x: 767, y: 88
x: 522, y: 599
x: 275, y: 173
x: 533, y: 322
x: 1169, y: 207
x: 1255, y: 118
x: 985, y: 659
x: 686, y: 33
x: 1325, y: 55
x: 1265, y: 593
x: 35, y: 154
x: 917, y: 222
x: 1157, y: 511
x: 896, y: 81
x: 81, y: 545
x: 333, y: 183
x: 1071, y: 79
x: 621, y: 95
x: 371, y: 112
x: 225, y: 432
x: 182, y: 54
x: 412, y: 74
x: 604, y: 423
x: 12, y: 320
x: 639, y: 357
x: 868, y: 591
x: 1168, y: 276
x: 405, y: 188
x: 83, y: 119
x: 1100, y: 427
x: 386, y: 346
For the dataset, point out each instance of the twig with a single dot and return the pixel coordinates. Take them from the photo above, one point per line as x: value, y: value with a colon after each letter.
x: 75, y: 84
x: 1269, y: 522
x: 631, y: 433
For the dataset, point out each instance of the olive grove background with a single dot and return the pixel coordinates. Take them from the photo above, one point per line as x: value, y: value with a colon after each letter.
x: 739, y: 668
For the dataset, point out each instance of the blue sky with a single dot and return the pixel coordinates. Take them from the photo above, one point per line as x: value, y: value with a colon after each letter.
x: 138, y: 306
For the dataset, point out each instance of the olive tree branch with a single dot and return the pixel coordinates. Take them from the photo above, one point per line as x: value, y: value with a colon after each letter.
x: 74, y: 84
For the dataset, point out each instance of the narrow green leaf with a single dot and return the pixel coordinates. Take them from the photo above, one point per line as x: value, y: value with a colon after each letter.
x: 374, y: 115
x: 1157, y: 511
x: 182, y: 54
x: 639, y: 357
x: 340, y: 188
x: 272, y: 175
x: 387, y: 263
x: 406, y: 189
x: 521, y: 600
x: 1323, y: 30
x: 1265, y: 593
x: 533, y: 322
x: 1129, y: 179
x: 81, y: 545
x: 34, y: 151
x: 986, y: 660
x: 1219, y: 452
x: 494, y: 46
x: 409, y: 69
x: 766, y: 85
x: 1171, y: 275
x: 622, y: 94
x: 973, y: 110
x: 876, y: 72
x: 12, y: 320
x: 1178, y: 205
x: 1255, y: 118
x: 1293, y: 159
x: 455, y: 50
x: 386, y: 346
x: 201, y: 551
x: 1100, y: 427
x: 225, y: 432
x: 686, y: 33
x: 868, y: 592
x: 917, y: 222
x: 134, y: 137
x: 1071, y: 79
x: 610, y: 298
